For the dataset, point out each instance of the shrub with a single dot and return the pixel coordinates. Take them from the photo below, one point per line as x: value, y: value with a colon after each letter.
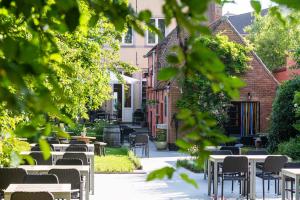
x: 190, y: 165
x: 283, y: 114
x: 290, y: 148
x: 161, y: 135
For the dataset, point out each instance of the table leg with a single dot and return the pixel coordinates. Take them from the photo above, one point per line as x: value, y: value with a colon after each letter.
x: 297, y: 188
x: 7, y: 196
x: 209, y: 177
x: 205, y: 169
x: 283, y: 187
x: 87, y: 186
x: 215, y: 180
x: 92, y: 175
x: 252, y: 179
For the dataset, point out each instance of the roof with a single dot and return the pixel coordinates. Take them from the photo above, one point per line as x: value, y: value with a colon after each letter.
x: 240, y: 22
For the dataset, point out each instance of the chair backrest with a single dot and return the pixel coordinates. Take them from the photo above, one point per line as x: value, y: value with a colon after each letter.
x: 71, y: 176
x: 38, y: 156
x: 141, y: 139
x: 37, y: 147
x: 233, y: 149
x: 292, y: 165
x: 274, y: 164
x: 11, y: 175
x: 76, y: 155
x: 69, y: 161
x: 40, y: 178
x: 76, y: 142
x: 77, y: 147
x: 257, y: 152
x: 234, y: 164
x: 221, y: 152
x: 31, y: 196
x: 53, y: 141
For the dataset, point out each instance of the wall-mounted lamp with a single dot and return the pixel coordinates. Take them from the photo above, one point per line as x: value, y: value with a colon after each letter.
x: 249, y: 96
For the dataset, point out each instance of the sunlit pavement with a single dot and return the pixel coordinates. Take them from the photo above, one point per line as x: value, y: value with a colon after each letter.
x: 134, y: 186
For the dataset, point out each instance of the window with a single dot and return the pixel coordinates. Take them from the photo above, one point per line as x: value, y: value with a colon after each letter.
x: 166, y: 106
x: 127, y: 39
x: 153, y: 38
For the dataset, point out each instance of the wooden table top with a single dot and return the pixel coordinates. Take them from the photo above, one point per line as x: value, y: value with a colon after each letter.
x: 41, y: 188
x: 83, y: 137
x: 60, y: 153
x: 46, y: 168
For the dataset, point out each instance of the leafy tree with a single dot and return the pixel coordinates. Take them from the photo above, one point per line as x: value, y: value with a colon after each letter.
x: 283, y: 115
x: 273, y: 37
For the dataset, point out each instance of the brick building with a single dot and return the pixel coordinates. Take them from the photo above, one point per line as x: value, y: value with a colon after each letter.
x: 248, y: 115
x: 288, y: 71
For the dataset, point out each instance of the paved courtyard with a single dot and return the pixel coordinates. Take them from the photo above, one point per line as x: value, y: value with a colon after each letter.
x: 134, y: 186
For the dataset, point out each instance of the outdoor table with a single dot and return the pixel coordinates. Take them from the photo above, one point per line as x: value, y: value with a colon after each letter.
x: 208, y: 148
x: 63, y: 147
x: 100, y: 148
x: 86, y: 139
x: 58, y: 155
x: 59, y: 191
x: 43, y: 169
x: 293, y: 173
x: 253, y: 159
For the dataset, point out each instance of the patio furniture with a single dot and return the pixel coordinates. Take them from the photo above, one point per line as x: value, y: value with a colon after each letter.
x: 80, y: 156
x: 40, y: 178
x: 233, y: 149
x: 235, y: 168
x: 100, y: 148
x: 31, y: 196
x: 69, y: 161
x: 253, y: 159
x: 141, y: 141
x: 59, y: 191
x: 125, y: 132
x: 38, y: 156
x: 258, y: 152
x: 77, y: 147
x: 10, y: 175
x: 290, y: 174
x: 291, y: 165
x: 44, y: 169
x: 77, y: 142
x: 86, y: 139
x: 90, y: 156
x: 271, y: 169
x: 71, y: 176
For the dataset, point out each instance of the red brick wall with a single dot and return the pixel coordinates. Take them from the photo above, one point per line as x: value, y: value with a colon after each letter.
x: 261, y: 84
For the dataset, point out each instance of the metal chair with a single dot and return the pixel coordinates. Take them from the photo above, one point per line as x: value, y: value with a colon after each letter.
x: 291, y: 165
x: 77, y: 147
x: 235, y: 168
x: 233, y: 149
x: 37, y: 147
x: 40, y: 178
x: 31, y: 196
x: 38, y: 156
x: 71, y: 176
x: 69, y: 161
x: 271, y: 169
x: 10, y: 175
x: 78, y: 155
x: 142, y: 141
x: 76, y: 142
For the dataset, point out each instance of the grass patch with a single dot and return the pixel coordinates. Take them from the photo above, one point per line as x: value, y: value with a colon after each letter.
x: 117, y: 160
x: 190, y: 165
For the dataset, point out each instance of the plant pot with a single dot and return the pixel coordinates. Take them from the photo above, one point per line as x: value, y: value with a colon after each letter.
x: 161, y: 145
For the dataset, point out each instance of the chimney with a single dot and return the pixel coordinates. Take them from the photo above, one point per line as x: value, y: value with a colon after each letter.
x: 214, y: 12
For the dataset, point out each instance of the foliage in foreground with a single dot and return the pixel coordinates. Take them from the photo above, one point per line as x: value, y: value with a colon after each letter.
x: 283, y: 115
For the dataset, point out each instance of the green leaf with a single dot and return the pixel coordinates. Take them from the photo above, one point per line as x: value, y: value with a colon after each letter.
x: 188, y: 180
x: 167, y: 73
x: 45, y: 147
x: 161, y: 173
x: 289, y: 3
x: 173, y: 59
x: 256, y: 6
x: 145, y: 15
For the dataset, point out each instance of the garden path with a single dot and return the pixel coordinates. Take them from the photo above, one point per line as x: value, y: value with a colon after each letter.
x: 134, y: 186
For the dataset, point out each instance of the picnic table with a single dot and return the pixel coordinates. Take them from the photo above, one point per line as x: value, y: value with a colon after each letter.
x: 59, y: 191
x: 63, y: 147
x: 293, y: 173
x: 86, y: 139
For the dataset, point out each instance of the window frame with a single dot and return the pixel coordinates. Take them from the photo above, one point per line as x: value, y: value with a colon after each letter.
x: 123, y: 38
x: 156, y: 36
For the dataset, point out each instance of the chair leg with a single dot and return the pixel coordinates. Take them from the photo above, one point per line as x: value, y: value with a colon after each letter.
x: 269, y: 184
x: 275, y: 181
x: 222, y: 188
x: 292, y: 187
x: 231, y: 186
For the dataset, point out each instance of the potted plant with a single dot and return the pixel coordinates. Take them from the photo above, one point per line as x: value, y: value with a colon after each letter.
x: 161, y: 139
